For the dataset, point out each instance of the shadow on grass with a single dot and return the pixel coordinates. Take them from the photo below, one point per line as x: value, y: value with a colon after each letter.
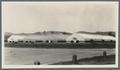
x: 96, y: 60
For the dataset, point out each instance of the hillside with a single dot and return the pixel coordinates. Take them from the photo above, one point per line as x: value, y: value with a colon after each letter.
x: 54, y: 34
x: 110, y: 33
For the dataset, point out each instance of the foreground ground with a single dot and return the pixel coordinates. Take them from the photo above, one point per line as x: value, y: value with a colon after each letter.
x: 27, y: 56
x: 96, y: 60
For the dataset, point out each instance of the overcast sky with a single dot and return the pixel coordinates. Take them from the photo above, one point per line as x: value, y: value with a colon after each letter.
x: 71, y: 17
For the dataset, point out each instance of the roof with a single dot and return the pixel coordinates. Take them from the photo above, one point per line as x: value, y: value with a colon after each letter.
x: 86, y: 36
x: 34, y: 37
x: 55, y: 36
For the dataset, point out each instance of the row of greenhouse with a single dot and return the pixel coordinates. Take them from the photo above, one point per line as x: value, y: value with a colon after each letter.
x: 61, y: 38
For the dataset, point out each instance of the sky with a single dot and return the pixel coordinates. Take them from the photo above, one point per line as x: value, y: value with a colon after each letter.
x: 28, y: 17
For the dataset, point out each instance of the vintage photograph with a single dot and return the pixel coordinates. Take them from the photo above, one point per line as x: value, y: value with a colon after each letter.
x: 59, y: 34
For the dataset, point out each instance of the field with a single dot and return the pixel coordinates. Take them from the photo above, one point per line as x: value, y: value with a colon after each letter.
x: 96, y: 60
x: 27, y: 56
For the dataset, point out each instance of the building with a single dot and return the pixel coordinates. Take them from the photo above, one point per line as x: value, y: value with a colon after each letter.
x: 39, y: 37
x: 76, y: 37
x: 59, y: 37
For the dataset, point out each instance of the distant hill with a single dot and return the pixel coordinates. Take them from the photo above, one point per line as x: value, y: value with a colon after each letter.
x: 45, y: 33
x: 107, y: 33
x: 8, y: 34
x: 110, y: 33
x: 53, y: 32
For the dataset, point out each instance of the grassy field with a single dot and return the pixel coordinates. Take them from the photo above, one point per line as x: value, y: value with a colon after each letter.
x: 96, y: 60
x: 27, y: 56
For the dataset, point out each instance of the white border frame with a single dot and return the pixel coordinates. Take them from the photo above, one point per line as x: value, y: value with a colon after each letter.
x: 64, y: 66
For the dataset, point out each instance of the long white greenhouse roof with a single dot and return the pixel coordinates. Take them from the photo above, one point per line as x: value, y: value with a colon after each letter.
x: 59, y: 36
x: 53, y: 37
x: 84, y: 36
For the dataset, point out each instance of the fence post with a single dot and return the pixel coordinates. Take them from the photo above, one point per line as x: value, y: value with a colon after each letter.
x: 104, y: 55
x: 74, y: 59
